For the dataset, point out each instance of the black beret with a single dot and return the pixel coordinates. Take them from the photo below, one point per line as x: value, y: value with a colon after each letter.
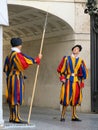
x: 16, y: 42
x: 79, y: 46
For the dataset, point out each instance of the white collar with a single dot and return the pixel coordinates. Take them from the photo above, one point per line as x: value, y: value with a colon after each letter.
x: 15, y: 49
x: 74, y: 56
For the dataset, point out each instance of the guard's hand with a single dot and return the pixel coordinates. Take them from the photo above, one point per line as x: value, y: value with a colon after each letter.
x: 40, y: 56
x: 81, y: 84
x: 62, y: 79
x: 38, y: 59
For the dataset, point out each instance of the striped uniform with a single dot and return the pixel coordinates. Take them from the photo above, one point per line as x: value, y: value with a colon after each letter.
x: 74, y: 71
x: 14, y: 66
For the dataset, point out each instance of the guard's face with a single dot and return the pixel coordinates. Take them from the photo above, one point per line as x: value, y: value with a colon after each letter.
x: 20, y: 47
x: 76, y: 50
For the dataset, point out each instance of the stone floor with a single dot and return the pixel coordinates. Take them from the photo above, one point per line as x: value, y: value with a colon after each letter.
x: 49, y: 119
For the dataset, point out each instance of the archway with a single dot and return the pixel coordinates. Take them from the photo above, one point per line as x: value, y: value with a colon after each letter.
x: 27, y: 23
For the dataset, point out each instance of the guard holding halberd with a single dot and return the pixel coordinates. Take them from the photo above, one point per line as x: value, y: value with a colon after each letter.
x: 15, y: 63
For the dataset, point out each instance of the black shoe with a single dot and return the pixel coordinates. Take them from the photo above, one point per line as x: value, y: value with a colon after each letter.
x: 62, y: 119
x: 22, y: 121
x: 11, y: 121
x: 75, y: 119
x: 19, y: 121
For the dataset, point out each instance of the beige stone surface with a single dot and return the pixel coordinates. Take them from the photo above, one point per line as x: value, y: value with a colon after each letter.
x: 82, y: 20
x: 56, y: 45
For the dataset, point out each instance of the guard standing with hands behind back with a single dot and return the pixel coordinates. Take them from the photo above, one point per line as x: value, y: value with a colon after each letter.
x: 72, y: 71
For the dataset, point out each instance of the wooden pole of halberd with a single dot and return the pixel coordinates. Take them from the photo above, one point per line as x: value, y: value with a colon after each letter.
x: 37, y: 70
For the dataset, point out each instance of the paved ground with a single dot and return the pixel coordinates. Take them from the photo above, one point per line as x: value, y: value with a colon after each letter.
x: 49, y: 119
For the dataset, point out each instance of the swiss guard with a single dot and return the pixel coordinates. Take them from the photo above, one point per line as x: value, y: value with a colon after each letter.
x: 72, y: 73
x: 15, y: 63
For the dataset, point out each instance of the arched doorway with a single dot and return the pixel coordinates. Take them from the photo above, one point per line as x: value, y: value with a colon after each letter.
x: 27, y: 23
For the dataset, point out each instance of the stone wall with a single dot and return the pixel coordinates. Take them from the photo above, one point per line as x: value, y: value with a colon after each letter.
x: 48, y: 84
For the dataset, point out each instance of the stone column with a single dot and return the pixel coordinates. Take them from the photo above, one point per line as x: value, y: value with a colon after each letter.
x: 1, y: 68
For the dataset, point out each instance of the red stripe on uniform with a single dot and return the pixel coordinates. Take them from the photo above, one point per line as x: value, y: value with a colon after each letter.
x: 60, y: 66
x: 77, y: 93
x: 22, y: 60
